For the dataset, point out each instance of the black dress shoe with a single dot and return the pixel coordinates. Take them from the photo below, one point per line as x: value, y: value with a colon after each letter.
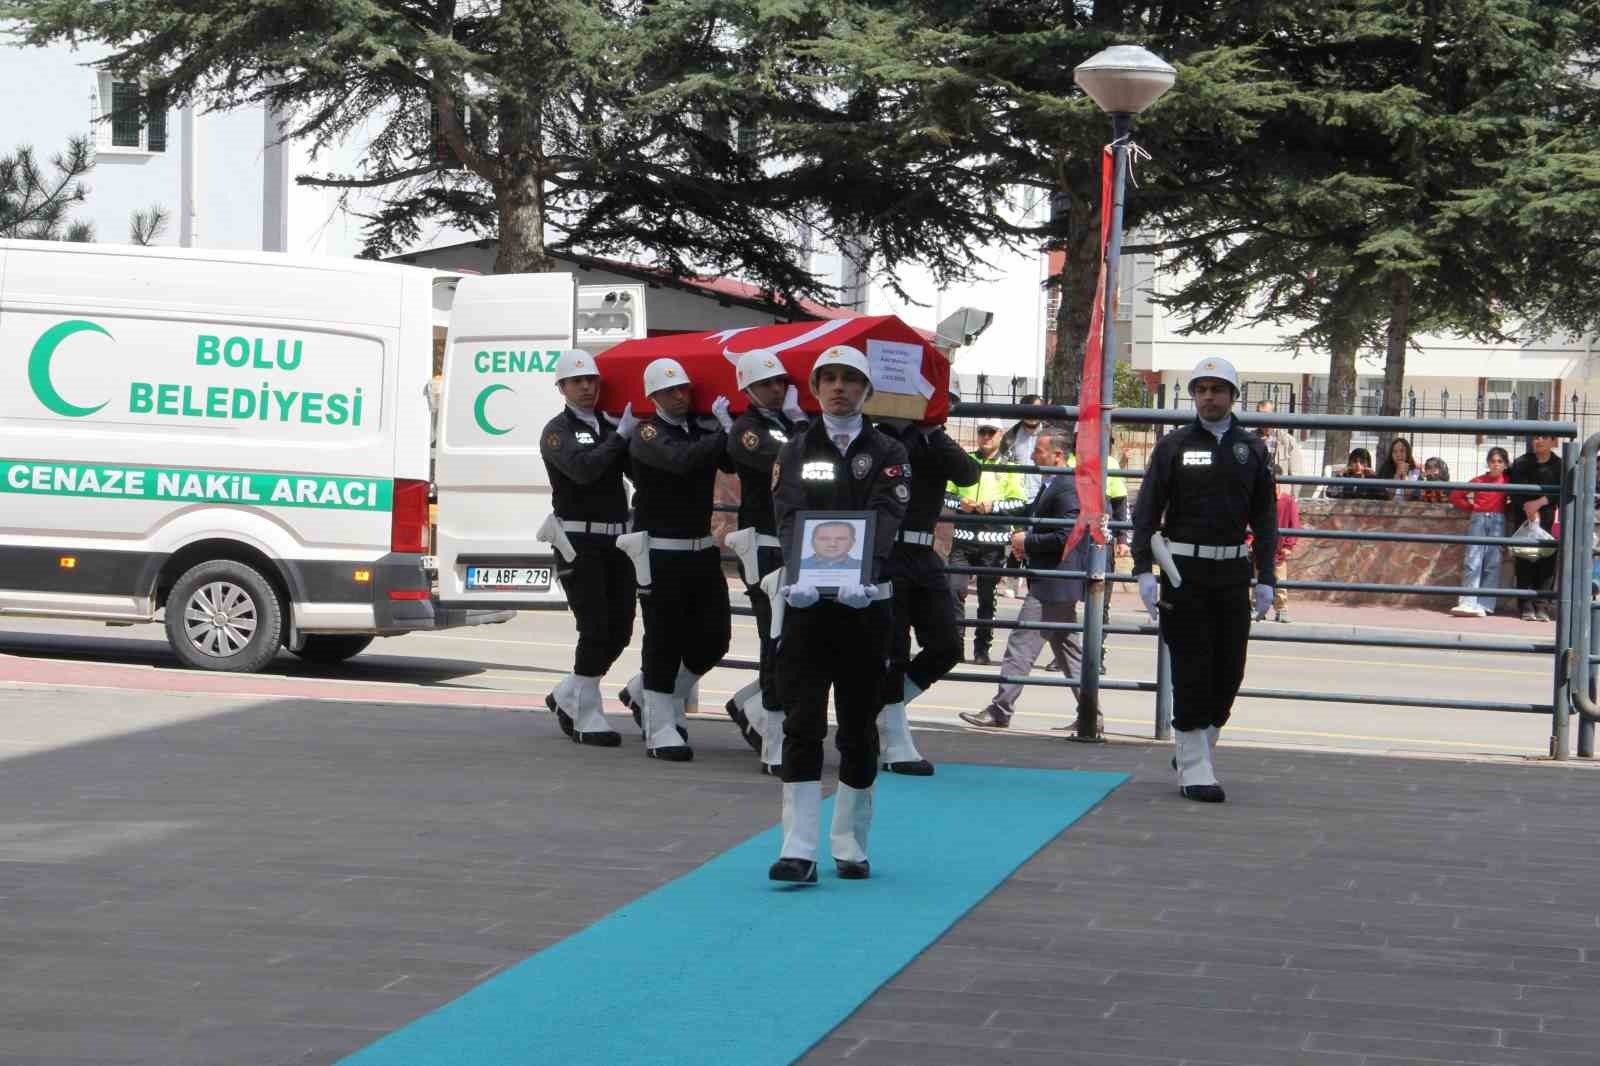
x: 991, y: 717
x: 795, y: 871
x: 911, y: 768
x: 1204, y: 793
x: 605, y: 739
x: 676, y: 753
x: 563, y: 719
x: 742, y: 720
x: 1053, y: 666
x: 981, y: 658
x: 853, y: 871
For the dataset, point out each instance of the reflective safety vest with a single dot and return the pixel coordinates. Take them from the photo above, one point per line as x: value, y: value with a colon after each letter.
x: 1001, y: 489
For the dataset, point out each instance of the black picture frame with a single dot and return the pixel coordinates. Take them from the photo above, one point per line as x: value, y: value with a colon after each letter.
x: 798, y: 549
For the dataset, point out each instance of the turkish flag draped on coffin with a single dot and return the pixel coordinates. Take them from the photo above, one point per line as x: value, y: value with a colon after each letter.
x: 911, y: 376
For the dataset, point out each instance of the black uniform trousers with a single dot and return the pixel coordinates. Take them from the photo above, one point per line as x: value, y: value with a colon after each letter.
x: 1538, y: 574
x: 977, y: 553
x: 767, y: 560
x: 1206, y: 626
x: 831, y: 647
x: 923, y: 602
x: 686, y: 619
x: 599, y: 583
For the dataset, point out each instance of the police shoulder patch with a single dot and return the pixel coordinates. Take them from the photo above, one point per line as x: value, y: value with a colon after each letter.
x: 750, y: 440
x: 1241, y: 452
x: 861, y: 466
x: 553, y: 440
x: 647, y: 432
x: 902, y: 493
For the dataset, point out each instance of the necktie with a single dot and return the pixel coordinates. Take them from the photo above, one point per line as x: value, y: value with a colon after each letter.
x: 842, y: 442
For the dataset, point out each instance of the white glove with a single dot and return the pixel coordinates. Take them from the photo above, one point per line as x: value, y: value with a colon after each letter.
x: 791, y: 405
x: 1263, y: 600
x: 799, y: 596
x: 719, y: 411
x: 856, y: 596
x: 1150, y: 593
x: 627, y: 423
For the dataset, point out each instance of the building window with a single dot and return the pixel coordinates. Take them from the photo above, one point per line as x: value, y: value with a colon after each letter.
x: 128, y: 119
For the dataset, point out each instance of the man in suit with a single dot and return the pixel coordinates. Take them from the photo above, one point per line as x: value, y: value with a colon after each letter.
x: 1048, y: 599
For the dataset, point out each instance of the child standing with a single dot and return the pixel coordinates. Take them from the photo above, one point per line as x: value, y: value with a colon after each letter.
x: 1288, y: 518
x: 1482, y: 566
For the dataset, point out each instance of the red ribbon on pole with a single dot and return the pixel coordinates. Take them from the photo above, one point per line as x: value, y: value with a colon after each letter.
x: 1089, y: 476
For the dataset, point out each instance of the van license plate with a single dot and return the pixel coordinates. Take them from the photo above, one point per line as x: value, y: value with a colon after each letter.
x: 527, y: 578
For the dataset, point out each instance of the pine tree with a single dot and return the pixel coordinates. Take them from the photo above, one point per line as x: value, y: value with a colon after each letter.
x: 34, y: 205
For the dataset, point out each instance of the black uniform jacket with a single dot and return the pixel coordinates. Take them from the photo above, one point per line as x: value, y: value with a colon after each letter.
x: 812, y: 476
x: 753, y: 444
x: 934, y: 461
x: 1199, y: 490
x: 675, y: 476
x: 1043, y: 546
x: 585, y: 466
x: 1527, y: 470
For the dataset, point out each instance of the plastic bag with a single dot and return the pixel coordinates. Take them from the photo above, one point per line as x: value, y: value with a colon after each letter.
x: 1539, y: 542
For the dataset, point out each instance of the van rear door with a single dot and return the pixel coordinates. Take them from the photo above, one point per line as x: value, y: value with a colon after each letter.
x: 501, y: 352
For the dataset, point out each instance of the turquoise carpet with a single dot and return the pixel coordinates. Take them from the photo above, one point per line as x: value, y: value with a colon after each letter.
x: 723, y: 966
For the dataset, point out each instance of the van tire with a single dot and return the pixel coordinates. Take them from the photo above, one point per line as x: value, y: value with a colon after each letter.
x: 249, y: 638
x: 328, y: 649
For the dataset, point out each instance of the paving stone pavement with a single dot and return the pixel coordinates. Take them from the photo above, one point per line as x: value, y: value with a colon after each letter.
x: 284, y: 882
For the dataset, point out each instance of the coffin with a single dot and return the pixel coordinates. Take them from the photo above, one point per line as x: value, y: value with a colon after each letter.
x: 910, y: 375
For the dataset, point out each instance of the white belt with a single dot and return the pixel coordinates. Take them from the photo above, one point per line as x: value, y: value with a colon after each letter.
x: 912, y: 537
x: 681, y: 544
x: 605, y: 529
x: 767, y: 540
x: 1209, y: 551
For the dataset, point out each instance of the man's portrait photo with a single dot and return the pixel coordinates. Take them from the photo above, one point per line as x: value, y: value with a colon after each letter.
x: 831, y: 551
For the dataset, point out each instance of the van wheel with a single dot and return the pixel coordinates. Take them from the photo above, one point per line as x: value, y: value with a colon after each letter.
x: 223, y: 615
x: 328, y: 649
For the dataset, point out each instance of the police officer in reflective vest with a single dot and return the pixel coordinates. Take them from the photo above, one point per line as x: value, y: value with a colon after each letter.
x: 682, y: 593
x: 979, y: 544
x: 754, y: 440
x: 923, y: 600
x: 586, y: 460
x: 1207, y: 483
x: 840, y: 463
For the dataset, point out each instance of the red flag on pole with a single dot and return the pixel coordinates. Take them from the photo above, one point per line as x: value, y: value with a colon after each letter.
x: 1089, y: 475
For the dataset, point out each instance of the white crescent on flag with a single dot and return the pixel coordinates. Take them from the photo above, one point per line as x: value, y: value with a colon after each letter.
x: 822, y: 330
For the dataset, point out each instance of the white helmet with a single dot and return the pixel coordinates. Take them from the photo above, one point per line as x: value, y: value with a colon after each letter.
x: 758, y: 364
x: 1221, y: 369
x: 664, y: 374
x: 575, y: 363
x: 841, y: 355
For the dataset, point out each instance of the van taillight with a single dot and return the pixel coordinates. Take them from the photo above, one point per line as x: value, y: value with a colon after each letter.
x: 408, y: 522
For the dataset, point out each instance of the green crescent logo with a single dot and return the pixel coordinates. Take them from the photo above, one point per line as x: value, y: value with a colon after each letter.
x: 44, y: 349
x: 483, y: 419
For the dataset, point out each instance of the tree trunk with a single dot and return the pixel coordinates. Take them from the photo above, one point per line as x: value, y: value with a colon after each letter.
x: 1078, y: 282
x: 521, y: 245
x: 1399, y: 337
x: 1341, y: 395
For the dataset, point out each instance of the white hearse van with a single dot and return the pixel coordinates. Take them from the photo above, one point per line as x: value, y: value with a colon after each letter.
x: 237, y: 444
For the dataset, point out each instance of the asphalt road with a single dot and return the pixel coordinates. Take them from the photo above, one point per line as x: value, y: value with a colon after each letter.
x: 522, y: 659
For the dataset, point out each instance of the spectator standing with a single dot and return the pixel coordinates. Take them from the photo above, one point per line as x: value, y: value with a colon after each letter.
x: 1288, y: 518
x: 1436, y: 469
x: 1358, y: 465
x: 1283, y: 450
x: 1399, y: 465
x: 1016, y: 446
x: 1488, y: 510
x: 996, y: 492
x: 1539, y: 466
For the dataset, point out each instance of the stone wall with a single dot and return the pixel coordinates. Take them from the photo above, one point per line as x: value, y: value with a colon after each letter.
x: 1379, y: 562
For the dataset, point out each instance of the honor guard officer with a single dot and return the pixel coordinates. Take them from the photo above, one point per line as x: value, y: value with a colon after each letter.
x: 1206, y: 484
x: 682, y: 593
x: 586, y: 459
x: 754, y: 440
x: 840, y: 463
x: 923, y: 600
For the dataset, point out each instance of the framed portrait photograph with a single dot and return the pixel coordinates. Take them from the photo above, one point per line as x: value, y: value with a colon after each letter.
x: 830, y: 549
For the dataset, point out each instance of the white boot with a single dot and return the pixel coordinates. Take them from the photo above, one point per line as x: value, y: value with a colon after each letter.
x: 632, y: 697
x: 589, y: 720
x: 661, y: 737
x: 802, y: 825
x: 772, y: 743
x: 683, y: 694
x: 896, y: 750
x: 852, y: 820
x: 1196, y: 779
x: 563, y: 702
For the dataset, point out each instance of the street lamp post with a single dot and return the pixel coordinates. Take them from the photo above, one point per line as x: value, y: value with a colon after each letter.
x: 1123, y: 80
